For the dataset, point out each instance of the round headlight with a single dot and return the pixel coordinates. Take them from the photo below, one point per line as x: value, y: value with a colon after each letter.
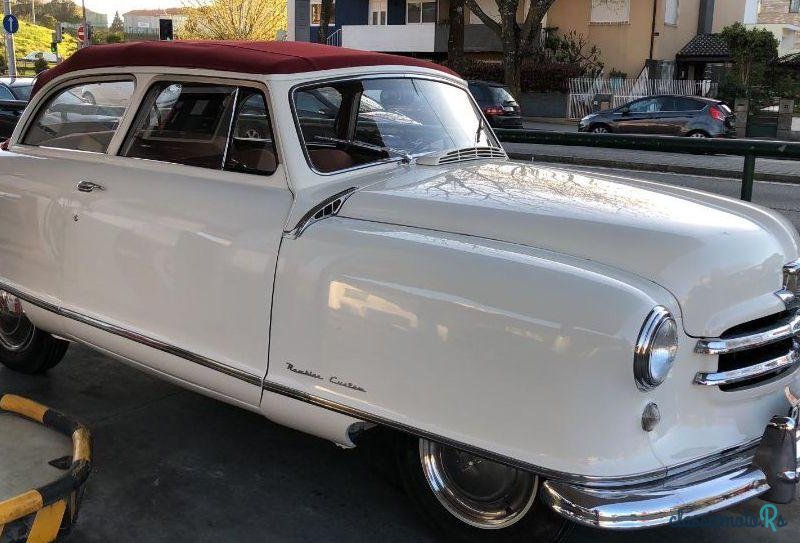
x: 655, y: 349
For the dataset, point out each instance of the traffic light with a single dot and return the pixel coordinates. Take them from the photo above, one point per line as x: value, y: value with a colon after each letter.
x: 165, y: 30
x: 54, y: 47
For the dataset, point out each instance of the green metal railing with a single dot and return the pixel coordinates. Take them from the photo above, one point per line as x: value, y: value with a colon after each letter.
x: 749, y: 149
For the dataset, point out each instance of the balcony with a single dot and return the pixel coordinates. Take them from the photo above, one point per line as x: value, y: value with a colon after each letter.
x: 410, y: 38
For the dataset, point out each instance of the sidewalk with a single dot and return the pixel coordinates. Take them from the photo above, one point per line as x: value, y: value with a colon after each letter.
x: 787, y: 171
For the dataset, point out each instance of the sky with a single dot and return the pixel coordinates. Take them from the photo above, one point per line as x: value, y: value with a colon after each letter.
x: 110, y: 6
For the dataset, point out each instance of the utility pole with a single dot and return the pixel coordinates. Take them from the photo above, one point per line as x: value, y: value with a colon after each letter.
x: 12, y: 61
x: 85, y: 26
x: 33, y: 10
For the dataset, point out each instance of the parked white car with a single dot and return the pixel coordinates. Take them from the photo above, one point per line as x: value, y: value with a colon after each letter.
x: 543, y: 346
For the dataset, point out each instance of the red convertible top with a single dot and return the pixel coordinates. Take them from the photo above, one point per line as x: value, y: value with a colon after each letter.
x: 257, y: 57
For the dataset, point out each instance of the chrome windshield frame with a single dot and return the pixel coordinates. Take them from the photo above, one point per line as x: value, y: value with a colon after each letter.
x: 388, y: 75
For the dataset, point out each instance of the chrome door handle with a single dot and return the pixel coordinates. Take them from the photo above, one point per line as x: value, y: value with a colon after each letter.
x: 88, y: 186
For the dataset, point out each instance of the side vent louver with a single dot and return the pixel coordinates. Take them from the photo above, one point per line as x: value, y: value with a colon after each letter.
x: 461, y: 155
x: 323, y: 210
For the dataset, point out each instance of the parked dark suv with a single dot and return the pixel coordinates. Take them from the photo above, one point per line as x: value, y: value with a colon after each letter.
x: 500, y: 108
x: 14, y: 95
x: 690, y: 116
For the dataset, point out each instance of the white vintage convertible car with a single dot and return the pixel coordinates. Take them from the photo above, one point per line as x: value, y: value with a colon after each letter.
x: 337, y: 240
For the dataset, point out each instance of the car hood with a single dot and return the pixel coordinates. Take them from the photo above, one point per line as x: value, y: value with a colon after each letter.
x: 722, y: 259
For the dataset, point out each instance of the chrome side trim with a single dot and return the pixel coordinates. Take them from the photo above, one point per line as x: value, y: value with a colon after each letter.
x: 581, y: 480
x: 750, y: 372
x: 789, y: 327
x: 134, y: 336
x: 316, y: 213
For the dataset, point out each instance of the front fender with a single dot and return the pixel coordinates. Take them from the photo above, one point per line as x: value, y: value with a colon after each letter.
x: 522, y: 352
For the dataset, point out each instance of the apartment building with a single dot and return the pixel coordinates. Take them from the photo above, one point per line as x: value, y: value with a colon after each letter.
x: 630, y: 34
x: 782, y: 18
x: 144, y: 23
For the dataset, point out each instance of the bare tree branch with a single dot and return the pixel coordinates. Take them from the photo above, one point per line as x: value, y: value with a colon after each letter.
x: 488, y: 21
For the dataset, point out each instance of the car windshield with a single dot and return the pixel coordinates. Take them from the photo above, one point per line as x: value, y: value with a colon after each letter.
x: 356, y: 122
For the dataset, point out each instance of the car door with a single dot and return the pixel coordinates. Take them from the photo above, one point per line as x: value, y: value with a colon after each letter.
x: 36, y: 181
x: 674, y: 114
x: 171, y: 255
x: 636, y: 117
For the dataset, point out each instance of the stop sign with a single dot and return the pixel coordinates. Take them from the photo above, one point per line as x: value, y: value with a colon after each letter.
x: 81, y: 33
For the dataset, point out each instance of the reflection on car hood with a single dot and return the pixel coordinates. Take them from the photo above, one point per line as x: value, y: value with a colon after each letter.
x: 720, y: 258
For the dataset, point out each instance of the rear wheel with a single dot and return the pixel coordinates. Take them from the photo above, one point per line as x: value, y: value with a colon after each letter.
x: 23, y: 348
x: 467, y: 498
x: 698, y: 134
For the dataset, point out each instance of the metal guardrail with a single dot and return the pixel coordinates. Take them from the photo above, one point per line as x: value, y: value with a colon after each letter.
x: 747, y: 148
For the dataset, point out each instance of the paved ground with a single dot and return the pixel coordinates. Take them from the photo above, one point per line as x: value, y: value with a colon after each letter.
x: 173, y: 466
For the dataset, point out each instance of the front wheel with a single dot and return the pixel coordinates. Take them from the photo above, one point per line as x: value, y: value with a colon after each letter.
x: 24, y: 348
x: 467, y: 498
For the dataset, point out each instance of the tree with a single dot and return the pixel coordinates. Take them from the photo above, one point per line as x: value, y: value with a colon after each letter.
x: 518, y: 40
x: 65, y: 11
x: 234, y: 19
x: 325, y: 12
x: 455, y: 37
x: 751, y: 50
x: 116, y: 25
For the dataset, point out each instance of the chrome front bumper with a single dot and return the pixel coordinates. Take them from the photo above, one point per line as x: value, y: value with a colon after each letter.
x: 768, y: 470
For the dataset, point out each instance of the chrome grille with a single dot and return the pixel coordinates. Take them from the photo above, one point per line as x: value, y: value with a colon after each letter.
x: 460, y: 155
x: 754, y: 352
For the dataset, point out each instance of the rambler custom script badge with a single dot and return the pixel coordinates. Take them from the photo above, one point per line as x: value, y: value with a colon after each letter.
x: 333, y: 379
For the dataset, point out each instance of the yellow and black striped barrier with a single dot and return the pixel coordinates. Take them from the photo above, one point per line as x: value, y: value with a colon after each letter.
x: 44, y: 514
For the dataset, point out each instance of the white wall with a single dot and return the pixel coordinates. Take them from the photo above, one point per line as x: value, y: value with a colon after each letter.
x: 416, y: 38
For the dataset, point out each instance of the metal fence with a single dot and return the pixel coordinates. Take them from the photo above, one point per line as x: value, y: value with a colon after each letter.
x: 586, y: 93
x: 335, y: 38
x: 747, y: 148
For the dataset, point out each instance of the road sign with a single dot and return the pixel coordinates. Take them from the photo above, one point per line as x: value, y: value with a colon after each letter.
x: 10, y: 24
x: 81, y: 33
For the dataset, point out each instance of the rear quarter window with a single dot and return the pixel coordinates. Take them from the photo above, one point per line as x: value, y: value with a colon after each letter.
x: 68, y: 121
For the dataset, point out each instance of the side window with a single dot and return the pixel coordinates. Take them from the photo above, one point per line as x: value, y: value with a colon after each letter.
x: 687, y: 104
x: 69, y: 120
x: 183, y: 123
x: 251, y: 149
x: 649, y: 105
x: 6, y: 94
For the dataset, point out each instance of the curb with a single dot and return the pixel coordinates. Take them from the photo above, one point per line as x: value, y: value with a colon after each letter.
x: 650, y: 167
x: 43, y: 514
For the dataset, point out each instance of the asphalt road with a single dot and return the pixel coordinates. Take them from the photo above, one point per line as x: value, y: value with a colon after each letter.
x: 174, y: 466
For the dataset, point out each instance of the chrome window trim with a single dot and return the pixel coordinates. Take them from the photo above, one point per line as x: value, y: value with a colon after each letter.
x: 789, y: 327
x: 789, y: 360
x: 386, y: 75
x: 176, y: 77
x: 337, y: 407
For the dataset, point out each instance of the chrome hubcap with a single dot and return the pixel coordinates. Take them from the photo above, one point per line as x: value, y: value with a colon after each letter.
x: 480, y: 492
x: 697, y: 135
x: 16, y: 331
